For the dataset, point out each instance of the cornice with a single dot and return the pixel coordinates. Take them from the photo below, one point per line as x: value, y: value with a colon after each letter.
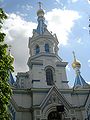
x: 21, y: 91
x: 44, y: 54
x: 50, y: 36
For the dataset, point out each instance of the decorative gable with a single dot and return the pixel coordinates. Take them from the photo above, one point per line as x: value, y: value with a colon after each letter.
x: 54, y: 97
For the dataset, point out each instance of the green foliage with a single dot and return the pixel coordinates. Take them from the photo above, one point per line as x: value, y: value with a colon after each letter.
x: 6, y: 62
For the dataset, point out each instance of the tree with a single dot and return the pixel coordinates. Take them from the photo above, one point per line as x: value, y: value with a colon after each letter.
x: 5, y: 66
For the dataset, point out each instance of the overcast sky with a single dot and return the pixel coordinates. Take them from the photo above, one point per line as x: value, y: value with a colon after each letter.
x: 67, y: 18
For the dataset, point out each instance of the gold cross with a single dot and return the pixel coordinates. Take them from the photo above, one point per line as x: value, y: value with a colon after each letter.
x: 39, y: 5
x: 74, y: 56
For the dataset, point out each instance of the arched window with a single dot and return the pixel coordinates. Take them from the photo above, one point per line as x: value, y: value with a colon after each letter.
x: 37, y: 49
x: 49, y: 76
x: 47, y: 48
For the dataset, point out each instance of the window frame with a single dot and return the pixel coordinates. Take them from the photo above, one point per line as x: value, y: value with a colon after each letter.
x: 50, y: 78
x: 47, y: 48
x: 37, y: 49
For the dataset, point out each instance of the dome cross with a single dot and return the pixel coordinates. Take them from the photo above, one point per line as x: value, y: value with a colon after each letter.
x: 40, y: 4
x: 74, y: 56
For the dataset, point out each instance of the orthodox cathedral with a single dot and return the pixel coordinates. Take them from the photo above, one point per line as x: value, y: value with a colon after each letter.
x: 43, y: 93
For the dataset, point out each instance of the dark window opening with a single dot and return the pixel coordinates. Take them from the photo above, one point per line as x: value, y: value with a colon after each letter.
x: 49, y: 76
x: 46, y: 48
x: 54, y: 115
x: 37, y: 49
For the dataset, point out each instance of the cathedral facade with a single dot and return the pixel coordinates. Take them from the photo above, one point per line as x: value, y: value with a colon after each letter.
x: 43, y: 93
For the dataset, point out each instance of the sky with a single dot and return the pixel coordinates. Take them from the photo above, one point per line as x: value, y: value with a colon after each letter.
x: 69, y: 19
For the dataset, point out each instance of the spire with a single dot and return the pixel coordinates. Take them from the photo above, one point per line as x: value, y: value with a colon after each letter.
x: 79, y: 81
x: 41, y: 25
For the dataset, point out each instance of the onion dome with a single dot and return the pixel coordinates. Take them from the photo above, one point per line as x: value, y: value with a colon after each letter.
x: 40, y: 12
x: 76, y: 63
x: 41, y: 21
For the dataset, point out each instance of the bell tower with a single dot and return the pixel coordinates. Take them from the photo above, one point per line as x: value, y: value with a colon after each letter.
x: 45, y: 66
x: 42, y: 40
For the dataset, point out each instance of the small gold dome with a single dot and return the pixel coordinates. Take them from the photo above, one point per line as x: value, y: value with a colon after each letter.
x: 76, y: 64
x: 40, y: 12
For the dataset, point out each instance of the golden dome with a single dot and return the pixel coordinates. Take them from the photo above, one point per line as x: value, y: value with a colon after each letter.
x: 76, y: 64
x: 40, y: 12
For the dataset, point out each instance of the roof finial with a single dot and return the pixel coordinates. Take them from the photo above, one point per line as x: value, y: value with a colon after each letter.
x: 39, y: 5
x: 74, y: 56
x: 76, y: 63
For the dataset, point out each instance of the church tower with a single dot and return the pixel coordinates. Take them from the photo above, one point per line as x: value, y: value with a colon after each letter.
x: 45, y: 66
